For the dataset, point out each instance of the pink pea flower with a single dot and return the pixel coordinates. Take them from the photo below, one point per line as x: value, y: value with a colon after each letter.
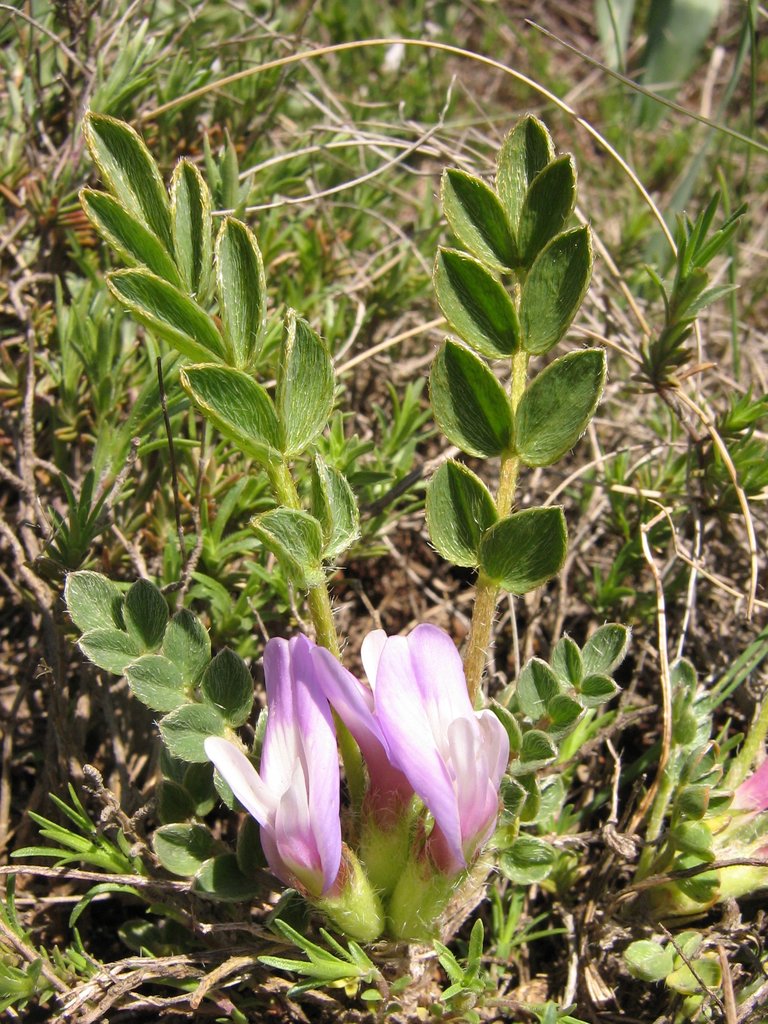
x: 295, y: 794
x: 451, y: 755
x: 389, y: 790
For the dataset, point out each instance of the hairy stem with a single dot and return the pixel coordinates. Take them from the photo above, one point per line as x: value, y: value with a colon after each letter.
x: 283, y: 487
x: 319, y: 602
x: 318, y: 599
x: 486, y: 595
x: 486, y: 591
x: 321, y: 612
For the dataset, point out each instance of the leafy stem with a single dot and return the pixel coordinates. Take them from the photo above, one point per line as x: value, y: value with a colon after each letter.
x: 321, y: 612
x: 283, y: 487
x: 318, y: 600
x: 486, y: 590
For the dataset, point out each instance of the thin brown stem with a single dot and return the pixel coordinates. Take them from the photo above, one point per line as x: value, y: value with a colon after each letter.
x: 486, y: 590
x: 483, y: 612
x: 320, y: 609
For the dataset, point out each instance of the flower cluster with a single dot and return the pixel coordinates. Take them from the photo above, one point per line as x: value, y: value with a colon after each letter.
x: 434, y: 769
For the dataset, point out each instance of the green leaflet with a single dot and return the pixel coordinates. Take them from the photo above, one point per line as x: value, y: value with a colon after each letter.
x: 459, y: 510
x: 469, y: 403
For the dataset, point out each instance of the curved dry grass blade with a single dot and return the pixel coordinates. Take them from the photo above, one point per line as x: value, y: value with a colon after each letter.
x: 457, y: 51
x: 666, y: 685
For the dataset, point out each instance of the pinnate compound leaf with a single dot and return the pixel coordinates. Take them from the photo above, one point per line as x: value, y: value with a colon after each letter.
x: 526, y: 549
x: 547, y: 206
x: 129, y: 170
x: 93, y: 601
x: 511, y: 726
x: 477, y: 219
x: 335, y: 507
x: 250, y: 855
x: 220, y: 878
x: 135, y: 243
x: 146, y: 614
x: 694, y: 837
x: 242, y: 292
x: 527, y: 860
x: 296, y: 538
x: 324, y: 964
x: 198, y: 782
x: 513, y: 797
x: 305, y: 382
x: 536, y: 687
x: 563, y: 713
x: 708, y: 973
x: 459, y: 510
x: 110, y: 649
x: 174, y: 803
x: 186, y: 643
x: 526, y: 778
x: 476, y: 304
x: 649, y: 961
x: 701, y: 888
x: 525, y: 152
x: 693, y: 801
x: 182, y: 849
x: 605, y: 649
x: 168, y: 312
x: 186, y: 729
x: 537, y: 749
x: 469, y: 404
x: 192, y: 231
x: 554, y: 289
x: 566, y: 661
x: 596, y: 690
x: 157, y: 682
x: 557, y: 406
x: 227, y: 685
x: 238, y: 406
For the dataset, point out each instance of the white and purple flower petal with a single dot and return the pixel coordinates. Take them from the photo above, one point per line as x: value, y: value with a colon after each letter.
x: 452, y: 756
x: 353, y: 702
x: 295, y: 796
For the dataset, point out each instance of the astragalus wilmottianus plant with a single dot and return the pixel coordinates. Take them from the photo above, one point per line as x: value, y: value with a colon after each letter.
x: 439, y: 789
